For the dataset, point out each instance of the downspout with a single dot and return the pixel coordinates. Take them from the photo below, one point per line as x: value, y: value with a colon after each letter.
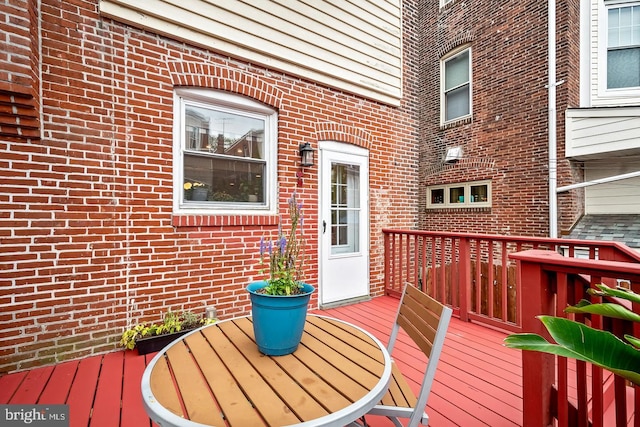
x: 553, y: 158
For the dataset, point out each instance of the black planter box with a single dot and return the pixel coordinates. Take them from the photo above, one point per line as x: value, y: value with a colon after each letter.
x: 158, y: 342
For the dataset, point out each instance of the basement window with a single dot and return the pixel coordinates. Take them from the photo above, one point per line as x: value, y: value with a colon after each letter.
x: 476, y: 194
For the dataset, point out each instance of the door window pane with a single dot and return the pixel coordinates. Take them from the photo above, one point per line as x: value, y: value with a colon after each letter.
x: 345, y: 208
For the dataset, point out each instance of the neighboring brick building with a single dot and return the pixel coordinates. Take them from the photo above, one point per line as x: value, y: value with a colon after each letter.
x: 491, y: 115
x: 500, y: 182
x: 96, y: 230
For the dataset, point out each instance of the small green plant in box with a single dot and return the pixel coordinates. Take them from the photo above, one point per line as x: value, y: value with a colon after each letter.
x: 173, y: 322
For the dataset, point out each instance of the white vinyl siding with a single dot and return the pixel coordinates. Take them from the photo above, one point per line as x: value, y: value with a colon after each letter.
x: 355, y: 46
x: 601, y: 132
x: 617, y: 197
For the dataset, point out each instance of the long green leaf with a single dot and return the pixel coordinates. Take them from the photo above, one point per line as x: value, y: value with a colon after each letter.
x: 633, y: 340
x: 605, y: 290
x: 581, y: 342
x: 605, y: 309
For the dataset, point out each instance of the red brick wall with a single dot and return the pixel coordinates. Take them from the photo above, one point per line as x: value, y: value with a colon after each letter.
x: 89, y: 242
x: 506, y: 140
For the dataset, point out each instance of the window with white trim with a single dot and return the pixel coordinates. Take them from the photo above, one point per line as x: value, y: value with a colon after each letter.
x: 455, y: 71
x: 474, y: 194
x: 623, y: 46
x: 224, y: 152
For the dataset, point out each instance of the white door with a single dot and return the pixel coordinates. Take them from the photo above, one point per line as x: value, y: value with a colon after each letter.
x: 344, y: 222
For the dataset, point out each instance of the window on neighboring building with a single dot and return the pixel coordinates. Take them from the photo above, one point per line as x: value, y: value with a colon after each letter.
x: 443, y: 3
x: 456, y: 86
x: 460, y: 195
x: 225, y: 147
x: 623, y: 46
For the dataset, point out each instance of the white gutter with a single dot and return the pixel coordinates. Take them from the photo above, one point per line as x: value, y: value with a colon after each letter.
x: 598, y: 181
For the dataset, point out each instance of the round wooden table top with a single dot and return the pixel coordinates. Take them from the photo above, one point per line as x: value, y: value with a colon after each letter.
x: 216, y: 376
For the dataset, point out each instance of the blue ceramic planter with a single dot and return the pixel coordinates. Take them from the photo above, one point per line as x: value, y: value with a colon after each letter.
x: 278, y: 321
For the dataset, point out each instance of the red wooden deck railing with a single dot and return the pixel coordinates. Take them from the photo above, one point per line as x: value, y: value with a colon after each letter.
x: 473, y: 273
x: 574, y: 393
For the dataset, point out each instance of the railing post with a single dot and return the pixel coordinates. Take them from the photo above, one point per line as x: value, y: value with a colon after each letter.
x: 538, y: 373
x: 464, y: 278
x: 387, y: 262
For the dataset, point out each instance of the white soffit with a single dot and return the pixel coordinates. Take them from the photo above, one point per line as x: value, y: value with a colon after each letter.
x: 355, y: 46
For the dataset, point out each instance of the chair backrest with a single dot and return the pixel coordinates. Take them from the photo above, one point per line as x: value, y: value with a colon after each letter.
x: 425, y: 320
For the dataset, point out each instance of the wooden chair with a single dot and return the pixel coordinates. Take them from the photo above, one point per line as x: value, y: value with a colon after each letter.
x: 425, y: 320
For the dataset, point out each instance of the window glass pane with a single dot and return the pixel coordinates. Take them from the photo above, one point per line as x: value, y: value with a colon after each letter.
x: 226, y: 180
x: 456, y: 71
x: 437, y: 196
x: 614, y: 23
x: 623, y: 26
x: 457, y: 103
x: 224, y: 132
x: 224, y: 156
x: 345, y: 208
x: 623, y: 68
x: 479, y: 194
x: 456, y: 195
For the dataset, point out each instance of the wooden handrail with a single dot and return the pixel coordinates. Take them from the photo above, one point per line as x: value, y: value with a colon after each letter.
x: 472, y: 272
x: 550, y: 282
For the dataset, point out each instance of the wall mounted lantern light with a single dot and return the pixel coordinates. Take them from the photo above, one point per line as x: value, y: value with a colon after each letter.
x: 306, y: 154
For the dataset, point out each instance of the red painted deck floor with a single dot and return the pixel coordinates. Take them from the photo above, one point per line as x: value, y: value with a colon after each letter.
x: 478, y: 381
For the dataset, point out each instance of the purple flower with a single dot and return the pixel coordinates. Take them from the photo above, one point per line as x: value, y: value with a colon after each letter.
x: 301, y: 217
x: 283, y: 244
x: 263, y: 246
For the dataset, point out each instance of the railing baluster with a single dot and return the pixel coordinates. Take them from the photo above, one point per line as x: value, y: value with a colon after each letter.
x: 563, y: 394
x: 464, y: 284
x: 478, y: 276
x: 434, y: 271
x: 490, y: 280
x: 415, y: 258
x: 504, y: 279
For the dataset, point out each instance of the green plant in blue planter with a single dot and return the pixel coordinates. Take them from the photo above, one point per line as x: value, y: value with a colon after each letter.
x: 285, y: 255
x: 279, y: 303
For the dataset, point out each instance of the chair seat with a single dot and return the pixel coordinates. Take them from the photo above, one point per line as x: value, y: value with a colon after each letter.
x: 399, y: 393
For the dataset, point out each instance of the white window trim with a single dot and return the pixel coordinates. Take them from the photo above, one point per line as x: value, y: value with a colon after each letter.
x: 467, y: 196
x: 443, y: 3
x: 444, y: 59
x: 209, y: 98
x: 607, y: 96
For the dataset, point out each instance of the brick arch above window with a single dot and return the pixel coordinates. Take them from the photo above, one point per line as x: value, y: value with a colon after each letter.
x: 329, y: 131
x: 459, y: 39
x: 485, y: 165
x: 213, y: 76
